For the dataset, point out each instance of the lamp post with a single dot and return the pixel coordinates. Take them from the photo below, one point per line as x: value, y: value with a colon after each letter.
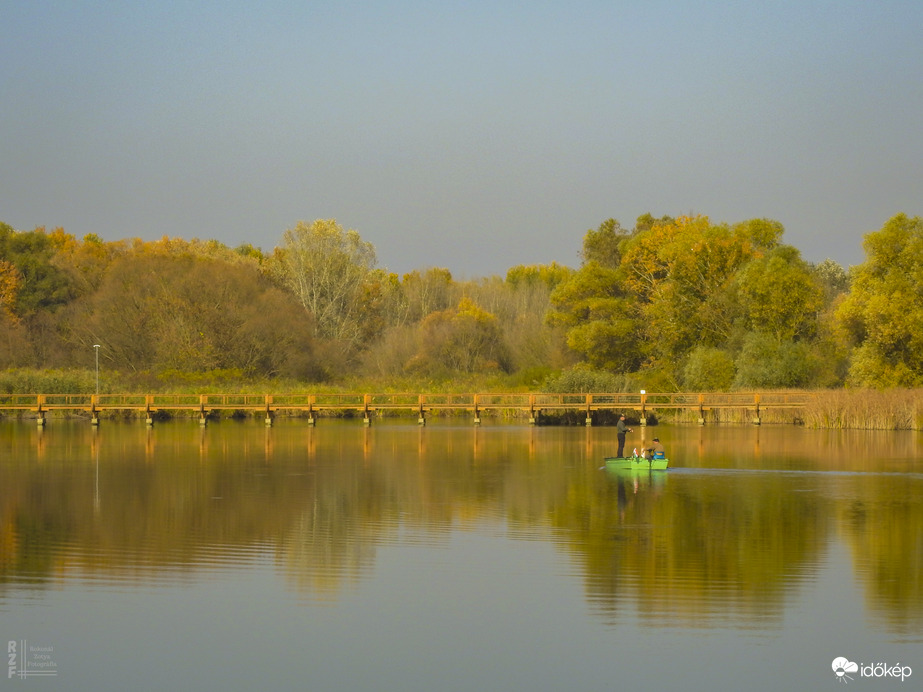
x: 96, y: 348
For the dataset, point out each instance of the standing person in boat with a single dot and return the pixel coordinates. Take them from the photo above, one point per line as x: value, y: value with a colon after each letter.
x: 656, y: 450
x: 622, y: 429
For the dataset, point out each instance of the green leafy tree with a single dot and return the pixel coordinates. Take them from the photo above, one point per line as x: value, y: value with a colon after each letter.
x: 883, y: 313
x: 598, y: 317
x: 765, y: 362
x: 603, y: 245
x: 709, y: 369
x: 780, y: 295
x: 581, y: 380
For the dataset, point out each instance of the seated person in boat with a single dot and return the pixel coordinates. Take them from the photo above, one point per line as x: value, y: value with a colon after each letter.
x: 656, y: 450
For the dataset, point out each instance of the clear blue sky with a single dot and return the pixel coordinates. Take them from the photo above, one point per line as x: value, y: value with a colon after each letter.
x: 469, y: 135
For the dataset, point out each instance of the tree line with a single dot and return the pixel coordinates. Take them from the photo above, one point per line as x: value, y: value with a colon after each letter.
x: 670, y: 304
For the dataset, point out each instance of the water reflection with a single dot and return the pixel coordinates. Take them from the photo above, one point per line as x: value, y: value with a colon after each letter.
x: 727, y: 537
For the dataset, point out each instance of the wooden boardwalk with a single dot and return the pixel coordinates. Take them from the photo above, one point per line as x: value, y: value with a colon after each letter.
x: 640, y: 405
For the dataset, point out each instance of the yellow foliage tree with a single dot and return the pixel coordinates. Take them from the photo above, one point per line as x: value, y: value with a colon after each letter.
x: 10, y: 282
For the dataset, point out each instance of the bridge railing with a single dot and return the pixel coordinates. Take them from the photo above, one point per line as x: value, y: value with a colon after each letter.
x: 532, y: 402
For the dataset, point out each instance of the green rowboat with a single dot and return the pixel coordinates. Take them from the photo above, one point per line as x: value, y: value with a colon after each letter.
x: 637, y: 464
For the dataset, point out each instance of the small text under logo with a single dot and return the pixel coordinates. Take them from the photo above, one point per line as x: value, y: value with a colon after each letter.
x: 26, y: 660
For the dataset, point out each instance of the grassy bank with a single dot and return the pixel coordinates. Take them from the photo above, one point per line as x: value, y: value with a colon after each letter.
x: 865, y: 409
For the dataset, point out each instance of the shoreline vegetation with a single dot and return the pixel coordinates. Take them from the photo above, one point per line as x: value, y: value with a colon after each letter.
x: 672, y: 305
x: 857, y: 409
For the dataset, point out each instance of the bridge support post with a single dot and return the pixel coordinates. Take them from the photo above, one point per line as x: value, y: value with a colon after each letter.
x: 421, y: 412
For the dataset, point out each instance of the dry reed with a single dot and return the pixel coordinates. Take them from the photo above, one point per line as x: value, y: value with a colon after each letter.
x: 866, y: 409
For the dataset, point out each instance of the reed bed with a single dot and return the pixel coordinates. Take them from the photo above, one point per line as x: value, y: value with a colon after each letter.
x: 866, y: 409
x: 840, y: 409
x: 734, y: 416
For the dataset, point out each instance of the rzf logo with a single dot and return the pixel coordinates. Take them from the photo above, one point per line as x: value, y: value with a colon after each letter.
x: 11, y: 659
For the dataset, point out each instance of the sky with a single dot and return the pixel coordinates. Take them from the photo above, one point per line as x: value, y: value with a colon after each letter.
x: 472, y: 135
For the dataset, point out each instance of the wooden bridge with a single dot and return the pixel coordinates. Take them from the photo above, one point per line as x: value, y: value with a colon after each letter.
x: 640, y: 405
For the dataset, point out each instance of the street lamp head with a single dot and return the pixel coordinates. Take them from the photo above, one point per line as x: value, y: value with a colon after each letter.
x: 95, y: 345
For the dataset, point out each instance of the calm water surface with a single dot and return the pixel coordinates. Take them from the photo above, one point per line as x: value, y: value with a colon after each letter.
x: 450, y: 557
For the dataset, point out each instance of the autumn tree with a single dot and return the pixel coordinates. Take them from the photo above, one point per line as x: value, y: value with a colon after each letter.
x: 464, y: 339
x: 84, y: 261
x: 10, y: 283
x: 44, y: 285
x: 682, y: 273
x: 832, y: 277
x: 417, y: 294
x: 326, y: 268
x: 159, y: 312
x: 548, y: 275
x: 14, y: 345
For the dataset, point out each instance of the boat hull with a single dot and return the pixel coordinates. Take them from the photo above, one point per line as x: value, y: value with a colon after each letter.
x: 637, y: 464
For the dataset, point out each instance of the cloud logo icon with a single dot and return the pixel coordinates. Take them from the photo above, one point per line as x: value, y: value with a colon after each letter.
x: 841, y: 666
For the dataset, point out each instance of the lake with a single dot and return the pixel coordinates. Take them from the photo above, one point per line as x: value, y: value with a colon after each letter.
x: 454, y: 557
